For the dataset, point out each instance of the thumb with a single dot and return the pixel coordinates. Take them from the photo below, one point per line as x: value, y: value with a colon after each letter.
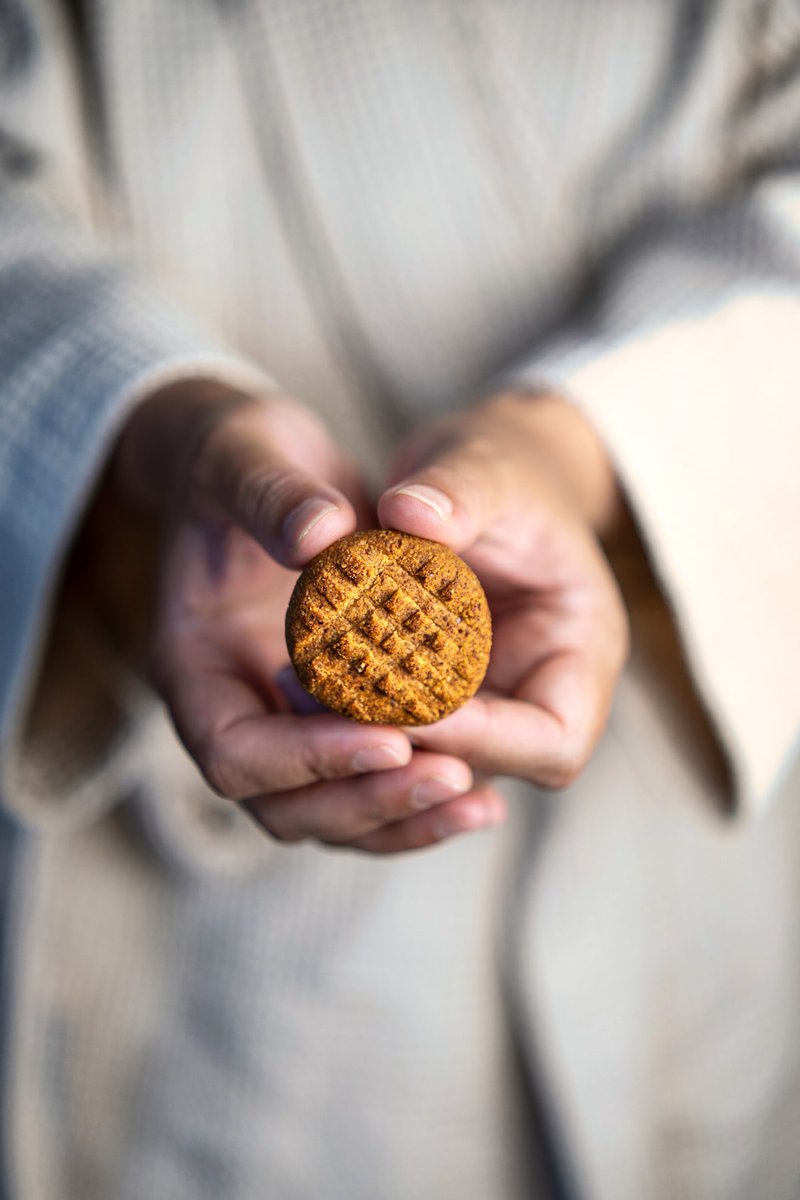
x: 452, y: 496
x: 242, y: 469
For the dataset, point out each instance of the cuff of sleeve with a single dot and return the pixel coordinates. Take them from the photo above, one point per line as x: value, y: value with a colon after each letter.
x: 76, y: 378
x: 83, y: 746
x: 700, y: 422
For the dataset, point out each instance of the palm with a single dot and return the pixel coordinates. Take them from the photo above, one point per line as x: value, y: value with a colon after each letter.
x: 219, y: 643
x: 221, y: 614
x: 537, y: 596
x: 558, y: 625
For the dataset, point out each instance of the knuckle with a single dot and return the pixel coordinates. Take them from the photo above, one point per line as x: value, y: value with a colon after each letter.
x: 356, y: 817
x: 277, y: 824
x: 387, y: 811
x: 268, y: 494
x: 401, y: 805
x: 563, y: 771
x: 321, y: 765
x: 417, y: 836
x: 560, y: 776
x: 385, y: 807
x: 259, y: 495
x: 281, y: 832
x: 219, y: 770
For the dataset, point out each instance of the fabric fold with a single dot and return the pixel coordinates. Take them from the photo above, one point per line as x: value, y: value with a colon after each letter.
x: 688, y: 368
x: 82, y: 341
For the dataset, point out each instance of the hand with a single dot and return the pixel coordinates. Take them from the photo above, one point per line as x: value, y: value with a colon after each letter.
x: 514, y: 486
x: 255, y: 488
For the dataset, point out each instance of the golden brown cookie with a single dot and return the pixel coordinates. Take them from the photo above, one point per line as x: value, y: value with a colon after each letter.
x: 383, y: 626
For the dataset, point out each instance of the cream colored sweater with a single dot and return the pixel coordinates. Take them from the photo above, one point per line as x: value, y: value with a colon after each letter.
x: 387, y: 207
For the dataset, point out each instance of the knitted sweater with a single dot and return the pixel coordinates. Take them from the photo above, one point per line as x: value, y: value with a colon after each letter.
x: 389, y: 208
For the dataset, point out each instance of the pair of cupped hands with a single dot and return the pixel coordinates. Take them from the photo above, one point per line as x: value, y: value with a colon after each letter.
x: 249, y: 489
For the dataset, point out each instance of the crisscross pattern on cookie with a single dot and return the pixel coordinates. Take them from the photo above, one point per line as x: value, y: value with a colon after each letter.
x: 386, y: 627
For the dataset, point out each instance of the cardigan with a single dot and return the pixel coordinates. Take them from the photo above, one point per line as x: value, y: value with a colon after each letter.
x: 389, y: 209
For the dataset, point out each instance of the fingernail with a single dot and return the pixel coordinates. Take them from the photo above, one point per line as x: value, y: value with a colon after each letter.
x: 380, y: 758
x: 433, y: 790
x: 441, y: 504
x: 301, y: 520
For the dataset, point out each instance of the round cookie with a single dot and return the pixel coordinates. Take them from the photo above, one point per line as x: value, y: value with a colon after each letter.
x: 387, y: 627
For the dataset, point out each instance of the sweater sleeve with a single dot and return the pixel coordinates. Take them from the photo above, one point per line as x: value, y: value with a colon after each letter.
x: 82, y: 339
x: 687, y: 364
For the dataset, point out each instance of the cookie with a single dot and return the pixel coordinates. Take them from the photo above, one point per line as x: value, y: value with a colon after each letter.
x: 387, y: 627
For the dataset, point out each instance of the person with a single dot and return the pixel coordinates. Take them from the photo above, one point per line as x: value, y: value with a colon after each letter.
x: 518, y: 278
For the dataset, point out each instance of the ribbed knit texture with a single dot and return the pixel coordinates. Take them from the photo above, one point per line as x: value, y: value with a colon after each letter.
x: 81, y: 341
x: 386, y: 207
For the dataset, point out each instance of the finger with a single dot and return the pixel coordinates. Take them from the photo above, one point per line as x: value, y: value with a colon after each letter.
x: 242, y: 469
x: 342, y: 810
x: 545, y: 734
x: 242, y: 750
x: 452, y: 498
x: 479, y: 809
